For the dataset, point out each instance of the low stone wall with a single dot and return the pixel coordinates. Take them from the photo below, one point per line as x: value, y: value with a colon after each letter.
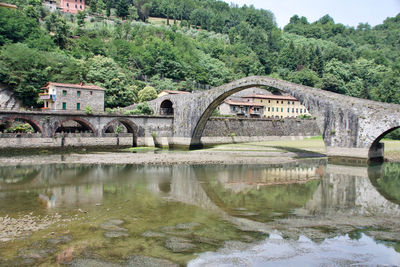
x: 245, y: 127
x: 217, y: 131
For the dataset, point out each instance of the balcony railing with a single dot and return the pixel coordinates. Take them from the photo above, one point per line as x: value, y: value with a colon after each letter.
x: 45, y: 96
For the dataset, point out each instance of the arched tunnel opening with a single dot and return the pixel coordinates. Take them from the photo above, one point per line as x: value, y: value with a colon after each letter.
x: 166, y: 108
x: 19, y: 125
x: 122, y: 127
x: 386, y: 145
x: 74, y: 126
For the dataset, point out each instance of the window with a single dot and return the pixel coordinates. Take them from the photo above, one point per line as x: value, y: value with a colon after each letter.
x: 288, y: 102
x: 80, y: 6
x: 288, y: 110
x: 297, y: 110
x: 67, y: 4
x: 301, y: 110
x: 261, y: 100
x: 64, y: 92
x: 78, y: 93
x: 293, y: 110
x: 91, y: 92
x: 281, y: 109
x: 76, y: 6
x: 64, y: 105
x: 269, y: 101
x: 293, y: 103
x: 269, y: 109
x: 78, y: 106
x: 282, y: 102
x: 272, y: 109
x: 277, y: 102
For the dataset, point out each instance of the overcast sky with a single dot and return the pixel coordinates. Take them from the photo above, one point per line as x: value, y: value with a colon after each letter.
x: 347, y: 12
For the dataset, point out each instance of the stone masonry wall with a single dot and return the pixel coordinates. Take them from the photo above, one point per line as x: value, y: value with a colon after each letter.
x: 220, y: 127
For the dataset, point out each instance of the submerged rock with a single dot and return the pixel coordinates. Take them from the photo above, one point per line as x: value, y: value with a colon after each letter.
x: 37, y: 253
x: 59, y: 240
x: 187, y: 226
x: 146, y: 261
x: 116, y: 234
x: 206, y: 240
x: 152, y: 234
x: 112, y: 225
x: 178, y: 244
x: 93, y: 263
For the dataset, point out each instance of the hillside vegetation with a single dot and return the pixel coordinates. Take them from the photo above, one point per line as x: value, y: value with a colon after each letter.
x: 113, y: 46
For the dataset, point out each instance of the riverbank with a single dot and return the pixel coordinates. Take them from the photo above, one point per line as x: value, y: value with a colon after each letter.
x: 240, y: 153
x: 245, y: 153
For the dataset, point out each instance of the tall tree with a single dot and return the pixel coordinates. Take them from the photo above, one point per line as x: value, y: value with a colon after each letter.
x: 123, y: 9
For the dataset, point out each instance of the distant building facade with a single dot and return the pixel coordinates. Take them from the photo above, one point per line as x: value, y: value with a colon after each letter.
x: 241, y: 108
x: 278, y: 106
x: 62, y: 96
x: 72, y: 6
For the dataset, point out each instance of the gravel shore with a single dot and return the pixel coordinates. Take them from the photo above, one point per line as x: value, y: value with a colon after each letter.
x: 168, y: 158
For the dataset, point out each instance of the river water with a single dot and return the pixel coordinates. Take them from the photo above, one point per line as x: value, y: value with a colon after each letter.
x: 307, y: 213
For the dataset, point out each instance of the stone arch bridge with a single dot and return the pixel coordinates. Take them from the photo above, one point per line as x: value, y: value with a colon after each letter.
x: 350, y: 126
x: 48, y: 125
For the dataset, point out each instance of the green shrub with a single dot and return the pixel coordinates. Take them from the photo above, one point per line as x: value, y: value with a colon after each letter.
x: 88, y: 110
x: 20, y: 128
x: 143, y: 109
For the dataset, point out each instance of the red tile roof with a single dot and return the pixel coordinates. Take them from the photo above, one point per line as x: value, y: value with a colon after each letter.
x: 239, y: 103
x: 77, y: 86
x: 275, y: 97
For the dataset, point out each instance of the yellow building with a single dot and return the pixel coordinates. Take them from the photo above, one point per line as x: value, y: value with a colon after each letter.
x: 279, y: 106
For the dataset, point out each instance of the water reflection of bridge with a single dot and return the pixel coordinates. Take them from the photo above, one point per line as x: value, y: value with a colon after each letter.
x: 340, y: 190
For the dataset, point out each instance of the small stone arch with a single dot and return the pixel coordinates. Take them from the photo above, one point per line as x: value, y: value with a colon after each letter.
x: 166, y: 107
x: 35, y: 124
x: 376, y: 149
x: 85, y: 125
x: 129, y: 125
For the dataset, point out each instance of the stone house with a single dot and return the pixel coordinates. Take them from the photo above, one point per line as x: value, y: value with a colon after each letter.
x: 241, y: 108
x: 72, y: 6
x: 63, y: 96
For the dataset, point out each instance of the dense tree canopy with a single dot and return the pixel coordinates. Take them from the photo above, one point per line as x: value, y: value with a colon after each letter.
x: 204, y: 43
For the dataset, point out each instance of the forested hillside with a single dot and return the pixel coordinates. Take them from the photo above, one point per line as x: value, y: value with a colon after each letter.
x: 113, y: 46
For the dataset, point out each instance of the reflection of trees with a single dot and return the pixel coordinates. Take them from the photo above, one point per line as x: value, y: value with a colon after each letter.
x: 388, y: 180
